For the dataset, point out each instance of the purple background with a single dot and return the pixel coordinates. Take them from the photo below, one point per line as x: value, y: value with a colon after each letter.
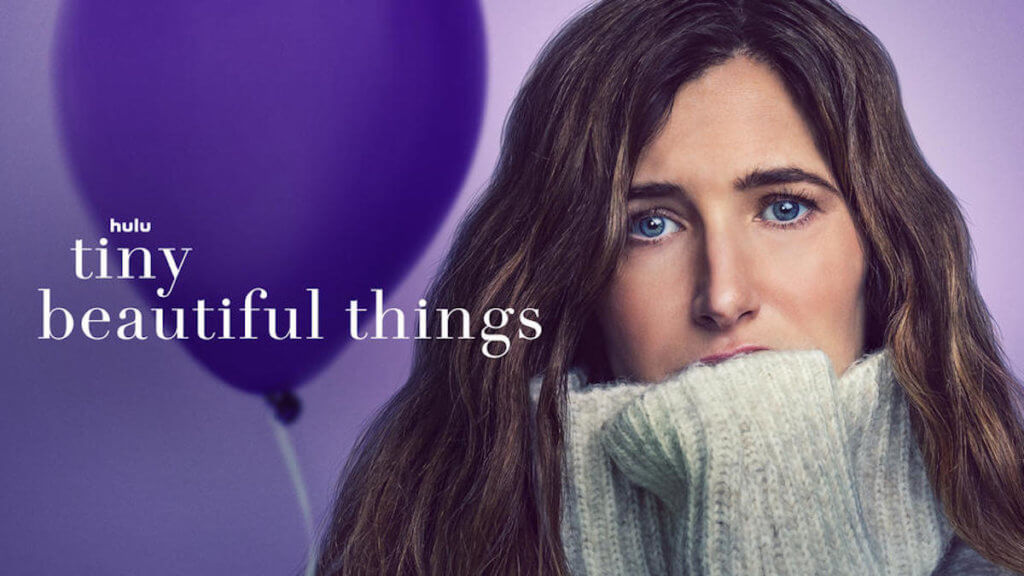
x: 128, y: 458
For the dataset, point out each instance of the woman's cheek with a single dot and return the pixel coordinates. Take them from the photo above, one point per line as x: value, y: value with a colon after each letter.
x: 817, y: 287
x: 647, y: 308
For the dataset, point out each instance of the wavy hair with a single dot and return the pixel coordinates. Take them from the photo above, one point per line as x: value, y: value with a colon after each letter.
x: 455, y: 476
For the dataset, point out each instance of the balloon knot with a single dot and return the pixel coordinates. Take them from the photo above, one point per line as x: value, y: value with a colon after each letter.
x: 286, y: 405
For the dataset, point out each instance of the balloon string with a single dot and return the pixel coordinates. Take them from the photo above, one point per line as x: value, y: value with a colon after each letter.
x: 291, y: 461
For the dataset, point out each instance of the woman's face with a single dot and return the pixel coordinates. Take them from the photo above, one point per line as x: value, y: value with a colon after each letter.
x: 737, y: 235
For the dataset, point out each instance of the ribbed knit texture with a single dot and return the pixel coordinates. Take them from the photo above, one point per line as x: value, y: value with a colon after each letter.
x: 766, y: 463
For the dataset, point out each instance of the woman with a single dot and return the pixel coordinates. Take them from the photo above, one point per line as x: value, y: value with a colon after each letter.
x: 661, y: 162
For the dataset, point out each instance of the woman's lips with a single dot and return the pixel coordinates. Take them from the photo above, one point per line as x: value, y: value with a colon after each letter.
x: 715, y: 358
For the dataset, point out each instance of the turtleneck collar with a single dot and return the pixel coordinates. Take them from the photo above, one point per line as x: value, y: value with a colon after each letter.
x: 767, y: 462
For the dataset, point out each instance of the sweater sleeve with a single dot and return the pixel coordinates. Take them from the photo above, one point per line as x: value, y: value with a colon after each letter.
x: 753, y: 459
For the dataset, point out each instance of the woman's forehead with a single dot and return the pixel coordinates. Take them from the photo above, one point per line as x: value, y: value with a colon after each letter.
x: 735, y: 117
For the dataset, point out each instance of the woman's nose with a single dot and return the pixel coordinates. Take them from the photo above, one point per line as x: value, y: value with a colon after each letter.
x: 725, y: 293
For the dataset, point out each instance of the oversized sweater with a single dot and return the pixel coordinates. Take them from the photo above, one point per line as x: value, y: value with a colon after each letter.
x: 767, y: 463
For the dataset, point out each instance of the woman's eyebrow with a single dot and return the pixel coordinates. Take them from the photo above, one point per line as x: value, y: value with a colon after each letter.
x: 757, y: 178
x: 786, y: 175
x: 655, y: 190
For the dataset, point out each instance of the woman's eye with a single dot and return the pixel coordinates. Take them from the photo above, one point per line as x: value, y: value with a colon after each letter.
x: 785, y: 210
x: 651, y: 226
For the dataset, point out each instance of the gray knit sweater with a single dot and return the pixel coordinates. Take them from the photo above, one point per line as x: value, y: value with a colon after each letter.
x: 766, y: 463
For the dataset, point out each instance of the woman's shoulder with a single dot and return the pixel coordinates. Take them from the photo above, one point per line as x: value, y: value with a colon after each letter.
x: 962, y: 560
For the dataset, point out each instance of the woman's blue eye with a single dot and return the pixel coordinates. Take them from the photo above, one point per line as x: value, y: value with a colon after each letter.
x: 653, y: 226
x: 785, y: 210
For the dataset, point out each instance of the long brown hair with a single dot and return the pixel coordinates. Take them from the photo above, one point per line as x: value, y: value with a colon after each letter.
x: 448, y: 478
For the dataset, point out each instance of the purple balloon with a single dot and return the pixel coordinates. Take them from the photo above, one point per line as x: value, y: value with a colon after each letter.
x: 308, y: 144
